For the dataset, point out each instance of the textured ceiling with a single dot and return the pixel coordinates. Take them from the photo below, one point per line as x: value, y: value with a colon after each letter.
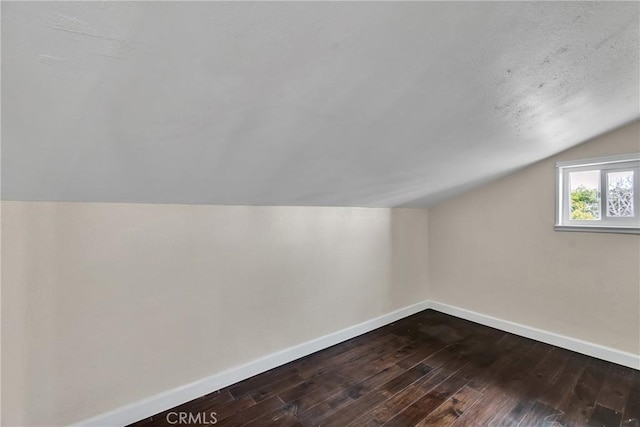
x: 302, y: 103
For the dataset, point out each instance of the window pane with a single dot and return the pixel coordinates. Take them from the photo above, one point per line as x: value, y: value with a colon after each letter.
x: 620, y: 194
x: 585, y: 195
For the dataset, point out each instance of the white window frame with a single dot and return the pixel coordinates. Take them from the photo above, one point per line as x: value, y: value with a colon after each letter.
x: 621, y: 163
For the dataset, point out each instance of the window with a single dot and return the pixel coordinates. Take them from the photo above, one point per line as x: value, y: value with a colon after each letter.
x: 599, y: 195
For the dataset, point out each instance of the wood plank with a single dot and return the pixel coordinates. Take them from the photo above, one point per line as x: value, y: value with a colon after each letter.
x: 292, y: 368
x: 342, y: 399
x: 426, y: 350
x: 540, y: 414
x: 384, y: 412
x: 631, y: 417
x: 604, y: 417
x: 313, y: 391
x: 500, y: 385
x: 579, y: 407
x: 553, y: 386
x: 511, y: 351
x: 405, y: 379
x: 349, y: 369
x: 561, y: 393
x: 338, y: 380
x: 517, y: 401
x: 251, y: 413
x: 398, y: 384
x: 542, y: 377
x: 420, y: 409
x: 313, y: 364
x: 352, y: 412
x: 615, y: 388
x: 228, y: 409
x: 492, y: 403
x: 282, y: 417
x: 380, y: 414
x: 449, y: 412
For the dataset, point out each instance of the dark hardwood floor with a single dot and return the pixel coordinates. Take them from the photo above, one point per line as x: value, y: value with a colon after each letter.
x: 429, y: 369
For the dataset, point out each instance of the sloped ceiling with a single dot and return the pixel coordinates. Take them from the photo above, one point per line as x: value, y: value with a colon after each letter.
x: 302, y: 103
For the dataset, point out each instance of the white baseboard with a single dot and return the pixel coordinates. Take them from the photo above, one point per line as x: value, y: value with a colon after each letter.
x: 161, y: 402
x: 590, y: 349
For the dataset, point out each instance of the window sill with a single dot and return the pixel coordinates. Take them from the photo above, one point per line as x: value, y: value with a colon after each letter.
x: 595, y: 229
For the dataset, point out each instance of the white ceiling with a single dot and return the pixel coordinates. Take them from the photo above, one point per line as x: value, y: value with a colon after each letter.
x: 301, y: 103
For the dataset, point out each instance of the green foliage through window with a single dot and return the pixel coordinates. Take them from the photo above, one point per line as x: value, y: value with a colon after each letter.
x: 585, y: 203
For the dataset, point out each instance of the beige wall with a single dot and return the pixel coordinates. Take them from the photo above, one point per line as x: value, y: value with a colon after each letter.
x: 106, y: 304
x: 494, y: 251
